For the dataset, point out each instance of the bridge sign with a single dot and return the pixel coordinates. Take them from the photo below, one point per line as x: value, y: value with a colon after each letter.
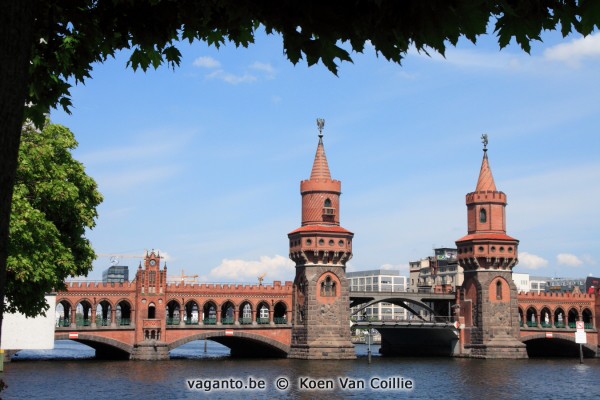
x: 228, y: 332
x: 580, y: 337
x: 73, y: 335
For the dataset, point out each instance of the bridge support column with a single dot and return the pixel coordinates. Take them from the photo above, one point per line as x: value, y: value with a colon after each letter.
x: 150, y: 350
x: 321, y: 327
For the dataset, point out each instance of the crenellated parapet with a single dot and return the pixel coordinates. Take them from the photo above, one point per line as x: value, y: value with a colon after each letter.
x: 488, y: 196
x: 223, y: 288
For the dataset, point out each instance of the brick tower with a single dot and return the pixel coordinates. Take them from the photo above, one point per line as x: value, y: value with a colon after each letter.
x: 488, y: 298
x: 320, y: 248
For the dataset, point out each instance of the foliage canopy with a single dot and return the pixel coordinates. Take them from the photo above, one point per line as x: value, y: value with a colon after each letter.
x: 54, y: 202
x: 71, y: 35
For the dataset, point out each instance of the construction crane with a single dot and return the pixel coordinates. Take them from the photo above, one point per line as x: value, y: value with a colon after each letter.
x: 183, y: 278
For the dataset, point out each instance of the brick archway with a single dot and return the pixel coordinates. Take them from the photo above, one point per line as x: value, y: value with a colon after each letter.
x: 97, y: 342
x: 222, y: 338
x: 557, y: 336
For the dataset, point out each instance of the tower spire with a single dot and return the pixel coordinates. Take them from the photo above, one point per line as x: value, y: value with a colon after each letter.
x: 320, y: 169
x: 486, y: 180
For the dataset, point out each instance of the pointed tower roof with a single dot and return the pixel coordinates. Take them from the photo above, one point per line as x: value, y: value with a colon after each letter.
x: 320, y: 169
x: 486, y: 180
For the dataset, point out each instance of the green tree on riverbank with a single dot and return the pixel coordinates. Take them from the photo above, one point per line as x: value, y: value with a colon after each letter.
x: 54, y: 202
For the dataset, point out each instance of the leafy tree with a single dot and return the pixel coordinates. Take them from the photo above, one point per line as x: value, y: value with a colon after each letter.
x: 54, y: 201
x: 49, y: 44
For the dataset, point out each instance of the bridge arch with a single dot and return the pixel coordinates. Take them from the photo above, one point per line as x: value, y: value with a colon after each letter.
x: 561, y: 345
x: 243, y: 344
x: 106, y: 348
x: 396, y: 301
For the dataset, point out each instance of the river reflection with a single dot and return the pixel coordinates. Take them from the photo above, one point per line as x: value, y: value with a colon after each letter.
x: 450, y: 378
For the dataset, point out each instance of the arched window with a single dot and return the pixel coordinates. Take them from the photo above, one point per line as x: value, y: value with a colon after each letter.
x: 151, y: 311
x: 328, y: 287
x: 327, y: 203
x: 482, y: 215
x: 498, y: 290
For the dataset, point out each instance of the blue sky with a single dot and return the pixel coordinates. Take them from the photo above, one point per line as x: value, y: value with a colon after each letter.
x: 204, y: 162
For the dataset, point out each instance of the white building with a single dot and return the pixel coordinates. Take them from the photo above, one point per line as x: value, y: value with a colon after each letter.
x: 20, y: 332
x: 379, y: 280
x: 521, y: 281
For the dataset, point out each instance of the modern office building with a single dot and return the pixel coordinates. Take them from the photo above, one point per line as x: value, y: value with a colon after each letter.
x: 379, y: 280
x: 116, y: 273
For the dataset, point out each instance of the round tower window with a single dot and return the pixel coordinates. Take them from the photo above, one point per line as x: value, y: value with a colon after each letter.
x: 321, y: 242
x: 331, y: 242
x: 493, y: 248
x: 480, y: 248
x: 510, y: 249
x: 308, y: 242
x: 341, y: 243
x: 502, y: 249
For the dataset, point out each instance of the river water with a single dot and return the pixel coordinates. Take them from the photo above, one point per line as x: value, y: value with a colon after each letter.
x: 68, y: 372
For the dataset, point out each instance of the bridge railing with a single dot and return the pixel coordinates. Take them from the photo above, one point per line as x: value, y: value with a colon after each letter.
x: 430, y: 318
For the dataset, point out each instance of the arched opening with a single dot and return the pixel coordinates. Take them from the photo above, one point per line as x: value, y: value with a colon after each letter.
x: 328, y: 288
x: 262, y: 317
x: 327, y: 203
x: 227, y: 313
x: 191, y: 313
x: 545, y: 321
x: 103, y: 312
x: 573, y: 318
x: 63, y: 314
x: 173, y: 313
x: 482, y: 215
x: 83, y: 313
x: 532, y: 317
x: 245, y: 313
x: 279, y: 313
x: 559, y: 318
x: 588, y: 318
x: 151, y: 311
x: 521, y: 319
x: 499, y: 289
x: 560, y: 345
x: 123, y: 313
x: 209, y: 313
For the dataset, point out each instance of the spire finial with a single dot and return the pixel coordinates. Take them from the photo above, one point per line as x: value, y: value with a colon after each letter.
x: 484, y: 140
x: 320, y: 125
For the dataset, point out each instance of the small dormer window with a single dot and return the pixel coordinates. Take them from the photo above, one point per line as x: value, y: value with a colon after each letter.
x: 498, y: 290
x: 482, y: 215
x: 328, y: 287
x: 328, y: 210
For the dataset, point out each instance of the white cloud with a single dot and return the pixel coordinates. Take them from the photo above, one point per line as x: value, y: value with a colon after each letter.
x: 264, y: 67
x: 206, y: 62
x: 531, y: 261
x: 574, y: 52
x: 570, y: 260
x: 275, y: 268
x: 231, y: 78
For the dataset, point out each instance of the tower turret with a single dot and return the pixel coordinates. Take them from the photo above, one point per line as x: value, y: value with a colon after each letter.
x: 488, y: 302
x: 320, y: 247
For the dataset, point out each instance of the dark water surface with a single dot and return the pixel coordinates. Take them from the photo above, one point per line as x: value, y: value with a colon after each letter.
x: 40, y: 375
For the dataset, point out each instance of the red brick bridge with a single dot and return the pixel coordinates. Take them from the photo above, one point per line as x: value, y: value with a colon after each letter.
x: 148, y: 317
